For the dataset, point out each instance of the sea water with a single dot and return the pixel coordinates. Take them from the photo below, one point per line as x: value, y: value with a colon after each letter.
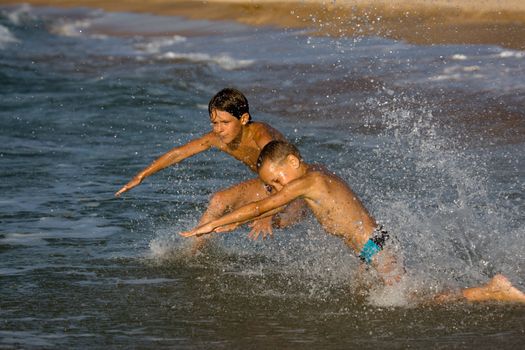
x: 430, y: 137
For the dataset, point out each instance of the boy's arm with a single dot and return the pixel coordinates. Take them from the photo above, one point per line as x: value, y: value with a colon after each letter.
x: 270, y: 205
x: 171, y: 157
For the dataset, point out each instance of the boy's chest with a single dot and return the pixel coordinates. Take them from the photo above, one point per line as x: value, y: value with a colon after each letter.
x: 247, y: 154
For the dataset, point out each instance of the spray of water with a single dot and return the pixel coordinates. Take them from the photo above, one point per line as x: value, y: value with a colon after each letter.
x: 436, y: 197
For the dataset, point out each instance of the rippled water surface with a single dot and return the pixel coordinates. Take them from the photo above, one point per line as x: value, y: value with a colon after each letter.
x: 431, y: 138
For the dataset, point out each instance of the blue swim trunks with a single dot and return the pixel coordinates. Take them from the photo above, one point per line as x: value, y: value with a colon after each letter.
x: 374, y: 245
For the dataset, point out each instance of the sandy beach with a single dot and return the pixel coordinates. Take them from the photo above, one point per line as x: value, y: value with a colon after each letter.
x: 416, y: 21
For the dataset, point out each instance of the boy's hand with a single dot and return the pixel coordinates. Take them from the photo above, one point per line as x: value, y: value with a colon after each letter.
x: 227, y: 228
x: 133, y: 183
x: 197, y: 231
x: 263, y: 226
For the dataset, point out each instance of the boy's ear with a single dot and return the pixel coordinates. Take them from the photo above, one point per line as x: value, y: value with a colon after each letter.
x: 293, y: 160
x: 245, y: 118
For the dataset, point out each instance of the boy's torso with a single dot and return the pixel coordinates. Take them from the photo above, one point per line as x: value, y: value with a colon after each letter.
x: 338, y: 209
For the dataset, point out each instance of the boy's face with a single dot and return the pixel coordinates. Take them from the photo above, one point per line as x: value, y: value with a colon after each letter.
x: 279, y: 174
x: 225, y: 125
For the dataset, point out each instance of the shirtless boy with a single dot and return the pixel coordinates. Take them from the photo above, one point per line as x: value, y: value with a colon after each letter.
x: 340, y: 212
x: 234, y: 133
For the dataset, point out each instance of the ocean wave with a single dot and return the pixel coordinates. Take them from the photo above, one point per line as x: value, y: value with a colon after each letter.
x: 20, y: 13
x: 222, y: 60
x: 6, y: 37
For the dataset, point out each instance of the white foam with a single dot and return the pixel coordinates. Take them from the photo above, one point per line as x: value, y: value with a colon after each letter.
x: 154, y: 46
x: 24, y: 239
x: 459, y: 57
x: 16, y: 16
x: 222, y: 60
x: 71, y: 29
x: 6, y: 37
x: 458, y: 73
x: 471, y: 68
x: 511, y: 54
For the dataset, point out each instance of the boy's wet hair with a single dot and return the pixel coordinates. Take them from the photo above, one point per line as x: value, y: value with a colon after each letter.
x: 230, y: 100
x: 277, y: 151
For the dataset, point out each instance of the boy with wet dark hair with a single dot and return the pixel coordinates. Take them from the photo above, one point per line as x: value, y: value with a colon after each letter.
x: 234, y: 133
x: 231, y: 101
x: 340, y: 212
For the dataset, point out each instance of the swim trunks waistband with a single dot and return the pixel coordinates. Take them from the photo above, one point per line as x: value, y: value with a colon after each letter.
x: 374, y: 245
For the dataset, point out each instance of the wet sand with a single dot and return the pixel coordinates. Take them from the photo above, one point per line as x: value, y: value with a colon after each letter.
x: 416, y: 21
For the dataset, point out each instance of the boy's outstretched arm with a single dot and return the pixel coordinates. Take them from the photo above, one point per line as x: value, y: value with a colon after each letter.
x: 175, y: 155
x: 262, y: 208
x: 230, y: 221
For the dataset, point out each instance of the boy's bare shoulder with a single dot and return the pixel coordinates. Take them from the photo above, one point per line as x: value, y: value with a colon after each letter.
x: 314, y: 175
x: 318, y: 175
x: 210, y: 139
x: 262, y: 129
x: 317, y: 170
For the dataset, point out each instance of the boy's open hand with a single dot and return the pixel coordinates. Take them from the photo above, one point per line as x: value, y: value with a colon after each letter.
x: 263, y: 226
x: 197, y: 231
x: 133, y: 183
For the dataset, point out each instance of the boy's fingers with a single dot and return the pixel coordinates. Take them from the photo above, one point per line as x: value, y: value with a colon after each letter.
x: 268, y: 234
x: 254, y: 234
x: 128, y: 186
x: 122, y: 190
x: 187, y: 234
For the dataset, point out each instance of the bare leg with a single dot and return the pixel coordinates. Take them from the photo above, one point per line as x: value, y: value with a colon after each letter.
x: 498, y: 288
x: 228, y: 200
x: 389, y: 263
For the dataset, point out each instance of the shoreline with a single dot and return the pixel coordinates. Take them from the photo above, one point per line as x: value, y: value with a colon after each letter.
x: 421, y: 22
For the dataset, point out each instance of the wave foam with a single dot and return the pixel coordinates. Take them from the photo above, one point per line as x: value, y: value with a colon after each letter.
x: 223, y: 60
x: 511, y: 54
x: 459, y: 57
x: 154, y: 46
x: 16, y: 17
x: 71, y: 29
x: 6, y: 37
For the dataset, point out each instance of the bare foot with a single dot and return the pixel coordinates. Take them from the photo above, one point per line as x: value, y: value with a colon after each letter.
x: 498, y: 288
x: 445, y: 298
